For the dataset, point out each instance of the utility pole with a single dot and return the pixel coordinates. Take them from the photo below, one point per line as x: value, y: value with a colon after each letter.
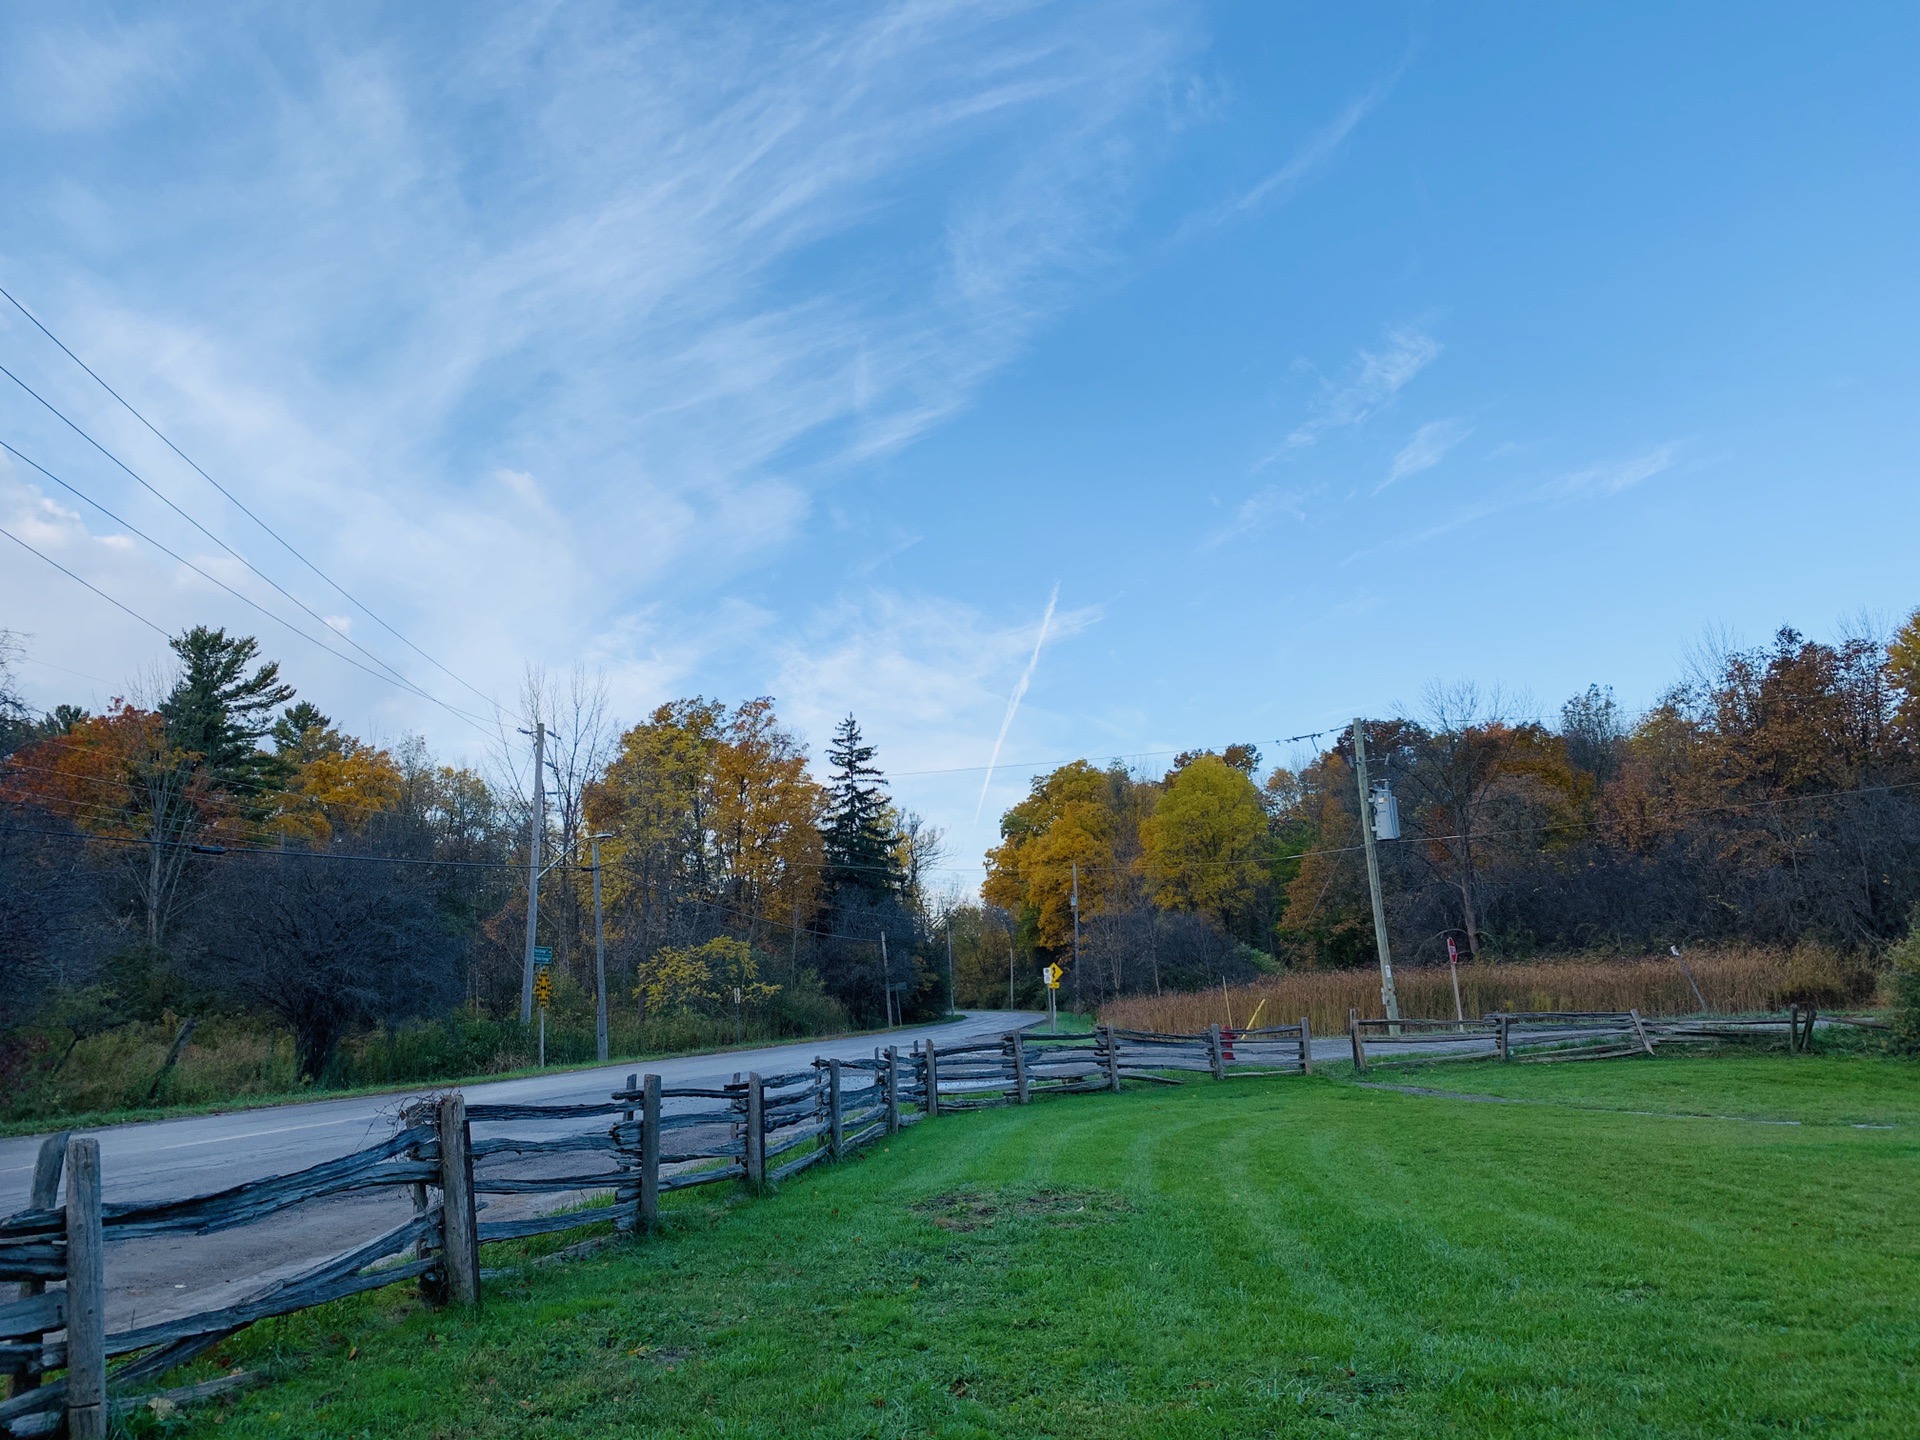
x: 886, y: 984
x: 599, y: 960
x: 1009, y: 962
x: 949, y: 962
x: 533, y: 864
x: 1076, y: 934
x: 1387, y: 997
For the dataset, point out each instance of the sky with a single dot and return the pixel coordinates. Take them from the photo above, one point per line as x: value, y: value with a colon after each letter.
x: 1030, y: 381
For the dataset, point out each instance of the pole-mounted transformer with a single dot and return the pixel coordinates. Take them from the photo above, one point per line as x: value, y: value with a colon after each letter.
x: 1386, y: 812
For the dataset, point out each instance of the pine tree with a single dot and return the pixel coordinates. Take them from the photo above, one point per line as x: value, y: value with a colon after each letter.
x: 220, y: 713
x: 860, y: 849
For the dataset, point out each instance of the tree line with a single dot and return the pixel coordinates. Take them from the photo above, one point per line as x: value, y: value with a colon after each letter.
x: 226, y: 848
x: 1773, y: 796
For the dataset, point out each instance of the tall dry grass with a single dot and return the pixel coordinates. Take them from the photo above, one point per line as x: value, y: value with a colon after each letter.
x: 1733, y: 980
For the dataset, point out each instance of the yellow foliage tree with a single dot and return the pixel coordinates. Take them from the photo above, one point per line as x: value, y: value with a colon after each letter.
x: 339, y: 784
x: 1206, y: 845
x: 702, y: 978
x: 1903, y: 667
x: 1069, y: 819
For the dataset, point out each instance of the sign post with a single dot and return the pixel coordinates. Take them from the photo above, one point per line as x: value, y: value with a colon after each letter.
x: 1453, y: 969
x: 1051, y: 974
x: 543, y: 992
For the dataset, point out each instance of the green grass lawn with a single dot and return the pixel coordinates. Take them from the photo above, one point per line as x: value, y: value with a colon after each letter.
x: 1297, y: 1257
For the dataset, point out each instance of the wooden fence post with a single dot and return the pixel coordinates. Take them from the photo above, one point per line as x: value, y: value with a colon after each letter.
x: 833, y: 1108
x: 933, y: 1083
x: 756, y: 1131
x: 1018, y: 1042
x: 1216, y: 1052
x: 1640, y: 1030
x: 459, y: 1214
x: 893, y: 1089
x: 650, y: 1153
x: 1113, y: 1058
x: 86, y: 1295
x: 1502, y: 1039
x: 1306, y: 1047
x: 1359, y: 1045
x: 42, y: 1194
x: 1793, y: 1030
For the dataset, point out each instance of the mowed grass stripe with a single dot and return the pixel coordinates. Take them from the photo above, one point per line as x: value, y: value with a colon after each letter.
x: 1260, y: 1258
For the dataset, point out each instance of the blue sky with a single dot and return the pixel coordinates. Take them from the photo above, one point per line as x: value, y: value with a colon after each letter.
x: 1308, y: 354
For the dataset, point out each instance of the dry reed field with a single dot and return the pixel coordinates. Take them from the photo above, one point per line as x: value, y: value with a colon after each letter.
x: 1732, y: 980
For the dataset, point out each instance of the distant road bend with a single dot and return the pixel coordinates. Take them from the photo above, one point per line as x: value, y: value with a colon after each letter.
x: 151, y: 1280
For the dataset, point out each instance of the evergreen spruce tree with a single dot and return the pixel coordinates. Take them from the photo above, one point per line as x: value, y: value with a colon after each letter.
x: 859, y: 832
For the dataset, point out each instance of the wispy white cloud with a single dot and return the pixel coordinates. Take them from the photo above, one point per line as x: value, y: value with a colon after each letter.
x: 1372, y: 382
x: 1258, y: 511
x: 1019, y: 694
x: 1614, y: 476
x: 1598, y: 481
x: 529, y: 301
x: 1427, y: 448
x: 76, y: 78
x: 1311, y: 159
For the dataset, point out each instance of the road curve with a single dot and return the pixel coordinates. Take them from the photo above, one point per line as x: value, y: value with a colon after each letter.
x: 167, y: 1159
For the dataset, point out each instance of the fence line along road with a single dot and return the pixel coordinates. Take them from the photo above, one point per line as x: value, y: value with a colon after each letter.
x: 451, y: 1159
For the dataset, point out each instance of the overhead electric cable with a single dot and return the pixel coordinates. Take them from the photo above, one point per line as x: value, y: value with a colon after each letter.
x: 403, y: 682
x: 240, y: 505
x: 90, y: 585
x: 398, y: 677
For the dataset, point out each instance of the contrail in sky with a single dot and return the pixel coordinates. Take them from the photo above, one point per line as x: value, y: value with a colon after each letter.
x: 1013, y: 700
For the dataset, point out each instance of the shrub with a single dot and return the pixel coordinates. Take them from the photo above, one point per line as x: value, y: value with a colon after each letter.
x: 1905, y: 1016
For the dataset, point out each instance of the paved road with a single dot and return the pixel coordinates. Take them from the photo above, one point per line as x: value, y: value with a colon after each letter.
x: 149, y: 1280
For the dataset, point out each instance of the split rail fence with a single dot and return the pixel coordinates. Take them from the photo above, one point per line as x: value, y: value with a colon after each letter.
x: 1542, y: 1036
x: 454, y: 1162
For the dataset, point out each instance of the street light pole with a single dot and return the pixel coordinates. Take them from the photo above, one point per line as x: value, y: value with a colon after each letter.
x: 949, y: 962
x: 599, y: 959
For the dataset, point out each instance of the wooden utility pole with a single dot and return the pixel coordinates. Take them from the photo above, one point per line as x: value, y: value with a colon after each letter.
x: 1387, y: 997
x: 533, y: 865
x: 1076, y: 934
x: 599, y: 961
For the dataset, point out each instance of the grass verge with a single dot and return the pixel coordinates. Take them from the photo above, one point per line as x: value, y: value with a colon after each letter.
x: 1297, y: 1258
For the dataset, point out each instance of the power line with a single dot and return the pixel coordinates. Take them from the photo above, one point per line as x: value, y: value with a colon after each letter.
x: 89, y: 584
x: 398, y: 678
x: 516, y: 865
x: 1125, y: 755
x: 241, y: 506
x: 243, y: 599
